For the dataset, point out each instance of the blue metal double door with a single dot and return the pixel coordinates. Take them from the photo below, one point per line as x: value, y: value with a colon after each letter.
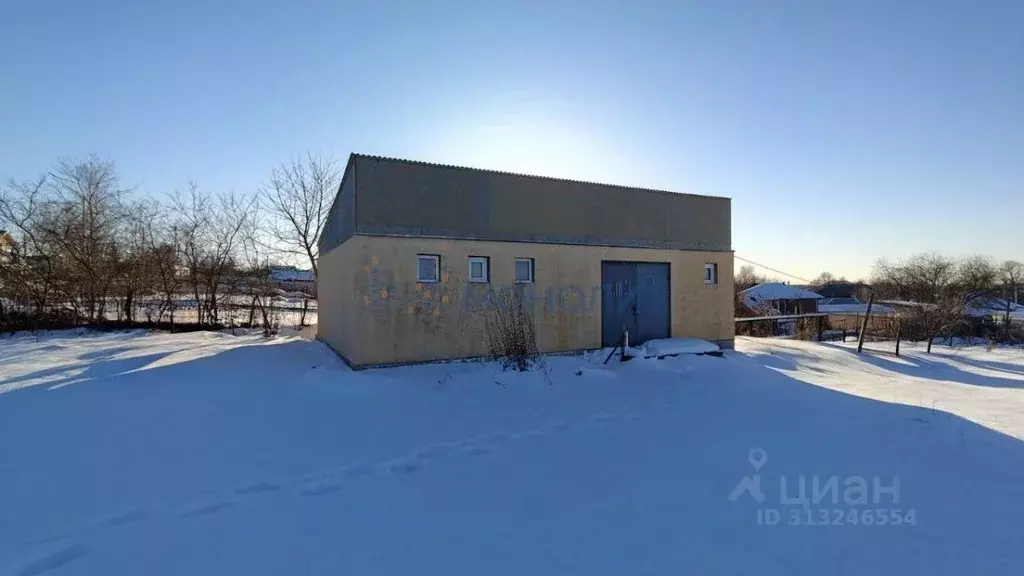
x: 635, y: 296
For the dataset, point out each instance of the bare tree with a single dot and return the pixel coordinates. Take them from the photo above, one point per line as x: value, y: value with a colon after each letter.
x: 924, y: 278
x: 85, y: 201
x: 163, y: 244
x: 259, y: 285
x: 977, y: 276
x: 192, y: 224
x: 942, y: 289
x: 210, y: 230
x: 747, y: 277
x: 823, y: 278
x: 1011, y: 274
x: 298, y: 197
x: 134, y: 267
x: 29, y: 272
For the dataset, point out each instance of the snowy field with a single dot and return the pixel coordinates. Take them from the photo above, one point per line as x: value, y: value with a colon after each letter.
x: 206, y: 453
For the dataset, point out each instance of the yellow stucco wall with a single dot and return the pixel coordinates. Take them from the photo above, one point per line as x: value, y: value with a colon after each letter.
x: 373, y: 311
x: 339, y: 281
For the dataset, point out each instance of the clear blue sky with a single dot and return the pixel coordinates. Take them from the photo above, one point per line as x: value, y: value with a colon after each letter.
x: 817, y: 117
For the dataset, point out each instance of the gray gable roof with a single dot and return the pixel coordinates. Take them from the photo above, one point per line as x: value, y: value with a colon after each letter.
x: 392, y: 197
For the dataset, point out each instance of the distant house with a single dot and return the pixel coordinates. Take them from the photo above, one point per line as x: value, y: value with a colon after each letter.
x: 292, y: 279
x: 851, y: 306
x: 778, y: 298
x: 907, y: 305
x: 990, y: 307
x: 843, y: 289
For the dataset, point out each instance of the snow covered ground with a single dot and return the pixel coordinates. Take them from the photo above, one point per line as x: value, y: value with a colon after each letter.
x: 207, y: 453
x: 985, y: 387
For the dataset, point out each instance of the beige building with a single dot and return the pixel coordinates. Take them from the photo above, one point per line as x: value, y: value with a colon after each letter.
x: 413, y: 254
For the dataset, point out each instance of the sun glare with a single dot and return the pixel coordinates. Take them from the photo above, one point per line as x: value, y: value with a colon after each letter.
x: 530, y: 144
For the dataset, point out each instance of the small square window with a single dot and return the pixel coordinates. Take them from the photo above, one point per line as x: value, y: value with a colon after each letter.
x: 711, y: 273
x: 524, y: 270
x: 427, y: 267
x: 479, y: 268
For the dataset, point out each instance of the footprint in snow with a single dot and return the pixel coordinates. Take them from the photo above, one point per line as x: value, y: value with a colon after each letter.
x: 437, y: 450
x: 126, y: 517
x: 497, y: 438
x: 556, y: 425
x: 48, y: 539
x: 529, y: 433
x: 599, y: 420
x: 208, y: 508
x: 475, y: 450
x: 403, y: 467
x: 320, y: 488
x: 360, y: 470
x: 256, y: 488
x: 53, y: 560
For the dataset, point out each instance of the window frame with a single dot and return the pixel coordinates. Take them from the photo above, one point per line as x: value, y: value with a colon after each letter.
x: 486, y: 261
x: 533, y: 270
x: 713, y: 267
x: 437, y: 268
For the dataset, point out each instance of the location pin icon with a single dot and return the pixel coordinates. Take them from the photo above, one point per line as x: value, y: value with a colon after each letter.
x: 757, y: 457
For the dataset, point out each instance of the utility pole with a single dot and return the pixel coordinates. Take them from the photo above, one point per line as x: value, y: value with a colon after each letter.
x: 864, y: 325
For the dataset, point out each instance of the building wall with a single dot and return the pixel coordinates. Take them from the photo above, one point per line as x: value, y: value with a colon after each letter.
x: 373, y: 311
x: 795, y: 305
x: 341, y: 221
x: 806, y: 306
x: 338, y: 299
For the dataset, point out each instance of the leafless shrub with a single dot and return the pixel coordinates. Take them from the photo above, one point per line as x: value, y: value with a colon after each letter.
x: 271, y: 322
x: 807, y: 328
x: 510, y: 331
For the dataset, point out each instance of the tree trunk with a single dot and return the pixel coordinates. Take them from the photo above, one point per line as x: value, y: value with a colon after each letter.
x: 1006, y: 328
x: 199, y: 304
x: 898, y: 329
x: 252, y: 312
x: 128, y: 306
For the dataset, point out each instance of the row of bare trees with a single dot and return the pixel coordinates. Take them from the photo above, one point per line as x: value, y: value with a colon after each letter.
x: 81, y: 248
x: 945, y: 291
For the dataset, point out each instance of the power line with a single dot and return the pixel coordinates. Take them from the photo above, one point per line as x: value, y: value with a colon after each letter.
x: 772, y: 269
